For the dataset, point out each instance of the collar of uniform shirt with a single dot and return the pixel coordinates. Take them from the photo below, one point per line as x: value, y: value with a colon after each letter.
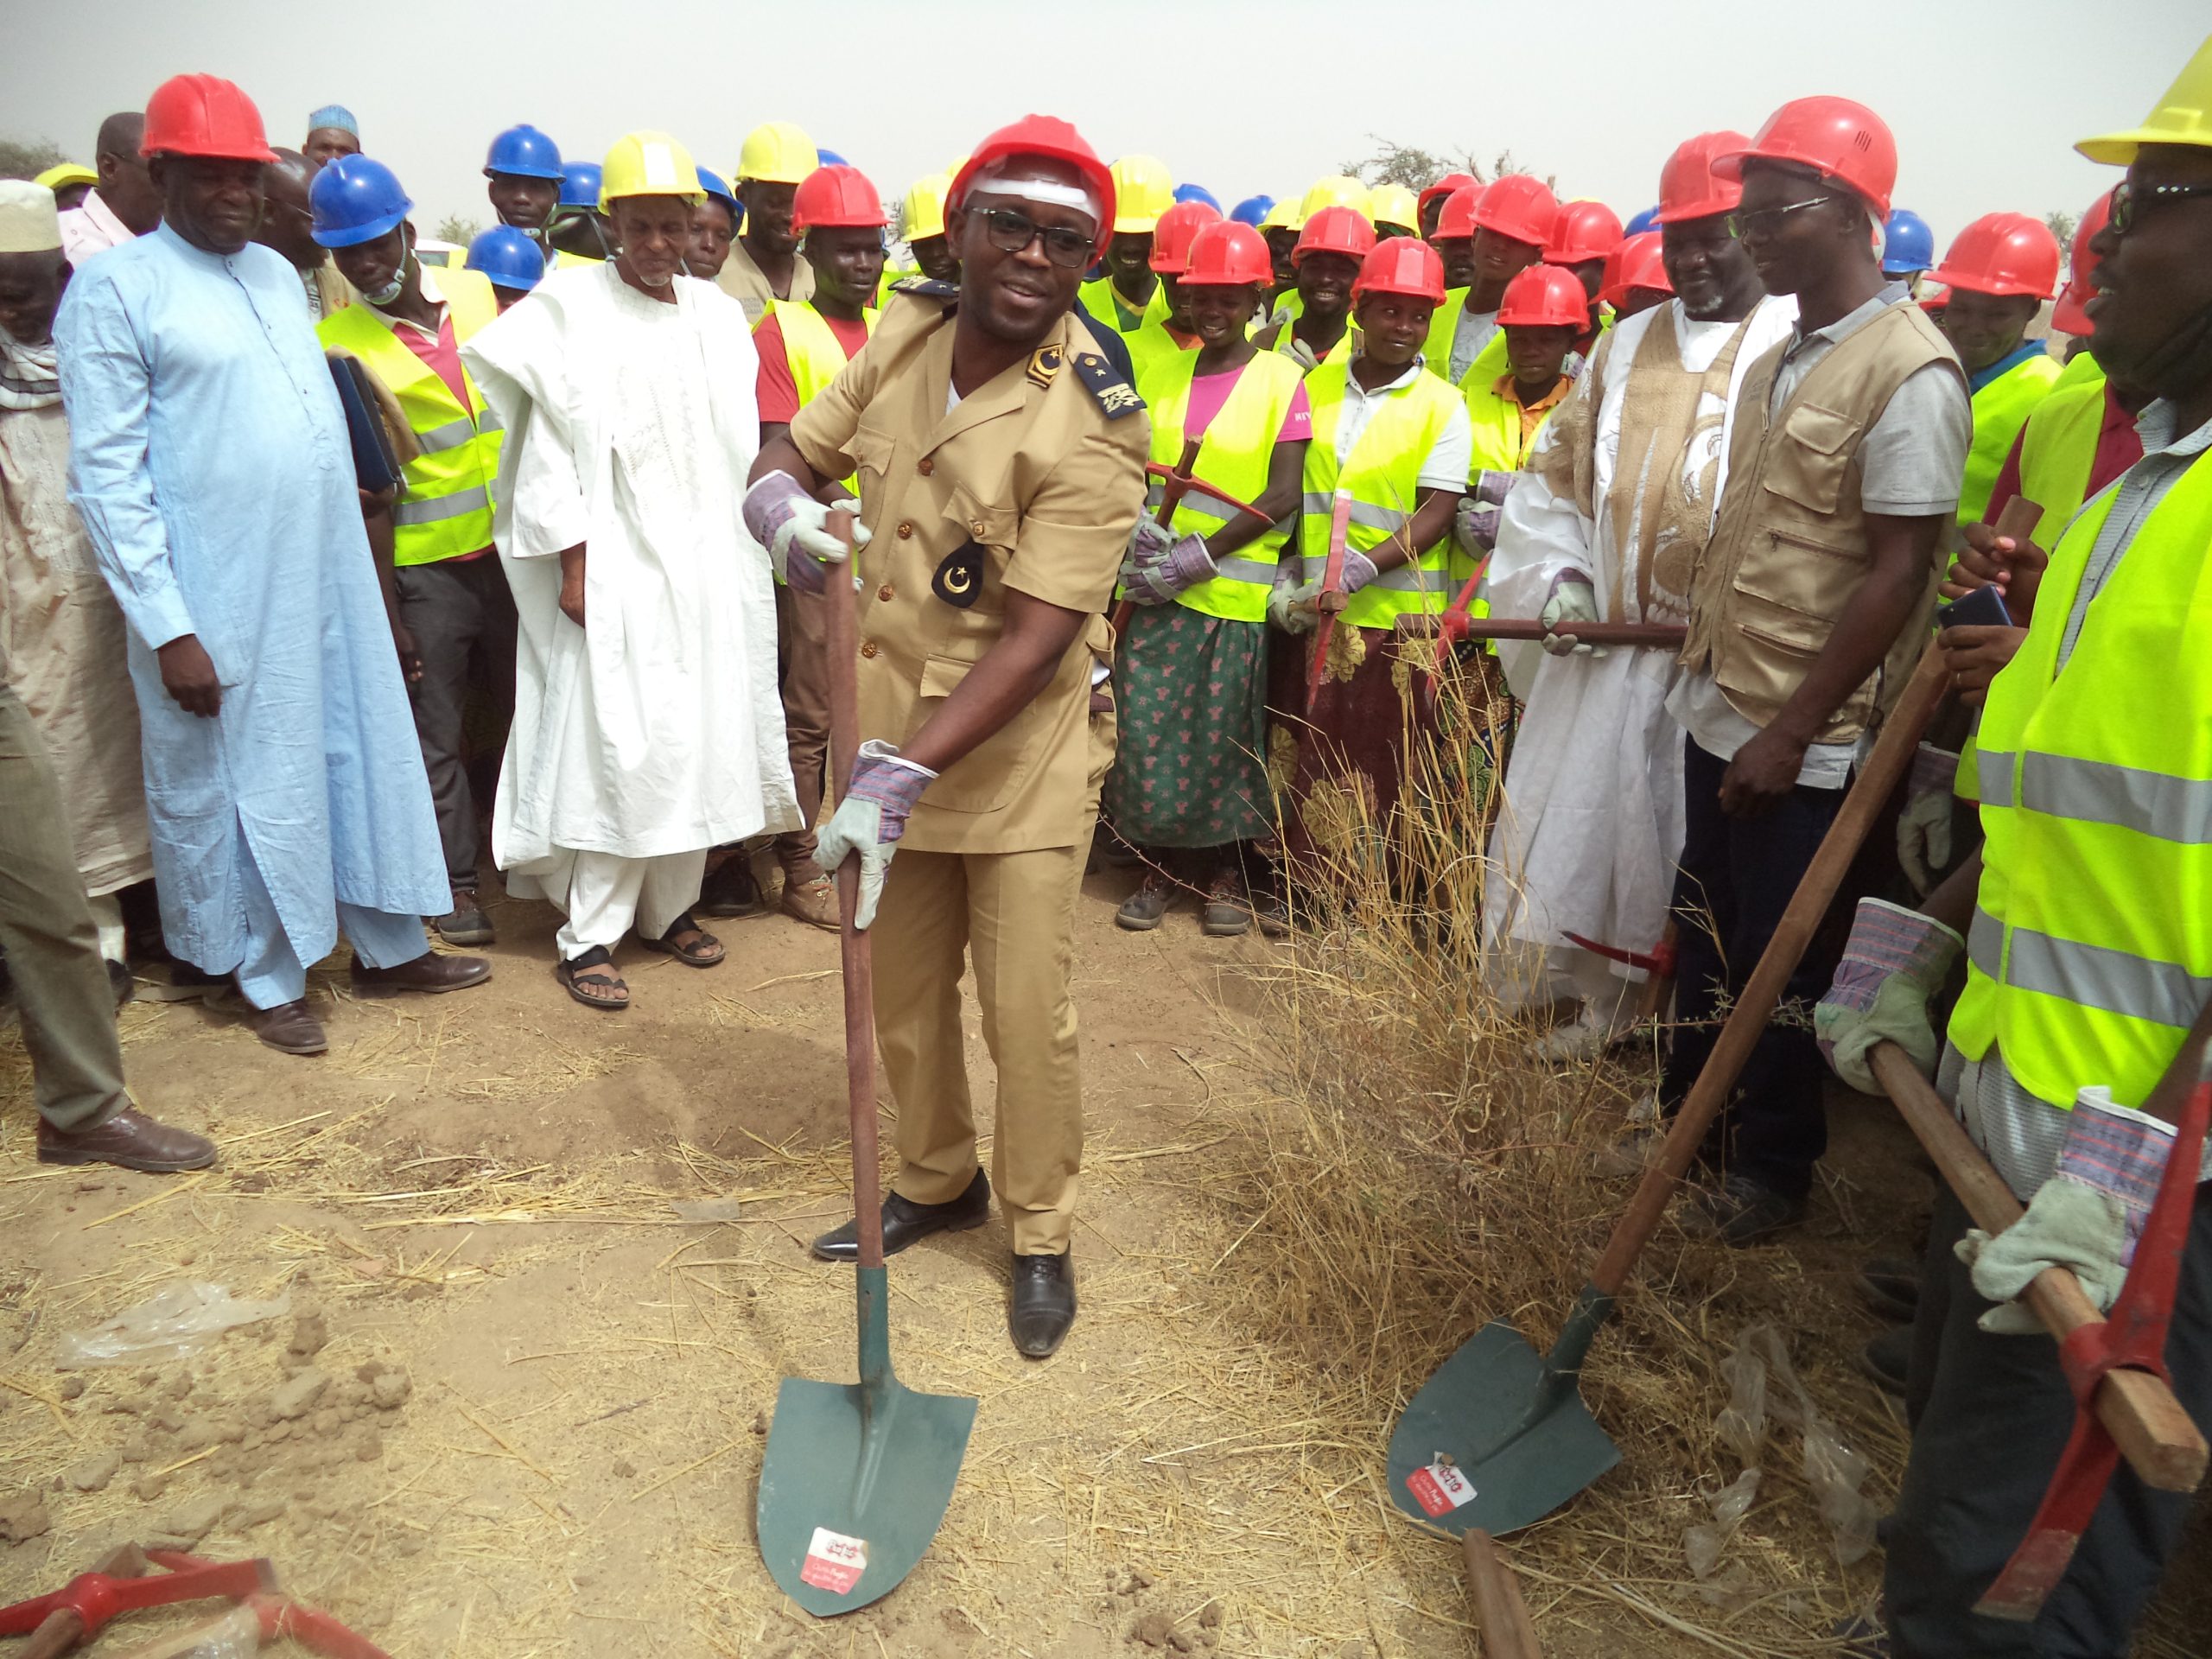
x: 431, y: 292
x: 1850, y: 322
x: 1353, y: 388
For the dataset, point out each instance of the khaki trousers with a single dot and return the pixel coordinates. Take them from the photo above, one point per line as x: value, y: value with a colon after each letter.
x: 1015, y: 913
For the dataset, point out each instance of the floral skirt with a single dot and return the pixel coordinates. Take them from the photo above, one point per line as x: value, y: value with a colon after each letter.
x: 1191, y: 767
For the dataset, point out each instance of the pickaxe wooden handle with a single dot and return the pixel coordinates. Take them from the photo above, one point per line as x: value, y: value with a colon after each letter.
x: 1662, y: 634
x: 1171, y: 497
x: 1330, y: 601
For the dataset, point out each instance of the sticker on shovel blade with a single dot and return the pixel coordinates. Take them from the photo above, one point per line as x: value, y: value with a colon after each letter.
x: 1439, y: 1488
x: 834, y: 1562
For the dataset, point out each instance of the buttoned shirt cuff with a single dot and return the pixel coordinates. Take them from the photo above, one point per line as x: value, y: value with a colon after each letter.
x: 158, y: 616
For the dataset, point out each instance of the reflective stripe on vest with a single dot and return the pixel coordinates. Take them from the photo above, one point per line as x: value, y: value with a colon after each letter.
x: 1383, y: 474
x: 2001, y: 410
x: 445, y: 508
x: 1107, y: 306
x: 2091, y: 953
x: 1235, y: 455
x: 2058, y: 447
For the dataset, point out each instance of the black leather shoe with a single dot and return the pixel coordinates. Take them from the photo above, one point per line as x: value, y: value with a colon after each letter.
x: 1043, y: 1305
x: 907, y: 1223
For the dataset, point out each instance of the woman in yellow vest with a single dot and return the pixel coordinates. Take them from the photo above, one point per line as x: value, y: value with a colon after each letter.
x: 1541, y: 316
x: 1999, y: 272
x: 1391, y: 443
x: 1190, y: 782
x: 1327, y: 260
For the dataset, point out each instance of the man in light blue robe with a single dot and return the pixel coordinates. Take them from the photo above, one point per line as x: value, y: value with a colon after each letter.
x: 212, y: 470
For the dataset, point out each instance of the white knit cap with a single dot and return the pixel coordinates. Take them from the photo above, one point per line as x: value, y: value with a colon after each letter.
x: 30, y: 222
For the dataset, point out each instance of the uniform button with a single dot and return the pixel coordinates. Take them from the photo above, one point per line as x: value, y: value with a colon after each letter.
x: 884, y: 593
x: 868, y: 648
x: 906, y: 533
x: 925, y: 466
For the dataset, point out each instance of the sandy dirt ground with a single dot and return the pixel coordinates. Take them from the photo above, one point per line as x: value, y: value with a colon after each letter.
x: 518, y: 1402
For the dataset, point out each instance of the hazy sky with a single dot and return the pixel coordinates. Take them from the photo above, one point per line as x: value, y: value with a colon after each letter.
x: 1986, y: 98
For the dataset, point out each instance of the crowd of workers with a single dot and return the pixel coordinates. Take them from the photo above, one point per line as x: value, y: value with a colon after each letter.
x: 317, y: 535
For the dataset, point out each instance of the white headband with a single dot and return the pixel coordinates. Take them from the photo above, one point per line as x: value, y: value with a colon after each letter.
x: 1013, y: 177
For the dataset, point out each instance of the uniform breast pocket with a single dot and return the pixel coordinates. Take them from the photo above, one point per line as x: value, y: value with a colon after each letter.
x: 990, y: 775
x: 872, y: 452
x: 1809, y: 456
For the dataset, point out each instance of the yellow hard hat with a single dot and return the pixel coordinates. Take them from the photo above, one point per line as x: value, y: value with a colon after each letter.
x: 1392, y: 204
x: 62, y: 175
x: 1142, y: 192
x: 1283, y: 216
x: 777, y: 152
x: 926, y: 206
x: 648, y: 164
x: 1336, y: 190
x: 2183, y: 117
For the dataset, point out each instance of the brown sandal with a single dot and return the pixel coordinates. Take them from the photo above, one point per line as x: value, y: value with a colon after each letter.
x: 703, y: 951
x: 594, y: 969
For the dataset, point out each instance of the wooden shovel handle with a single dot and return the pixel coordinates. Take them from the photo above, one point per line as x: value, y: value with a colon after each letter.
x: 841, y: 636
x: 2152, y: 1431
x: 1500, y: 1614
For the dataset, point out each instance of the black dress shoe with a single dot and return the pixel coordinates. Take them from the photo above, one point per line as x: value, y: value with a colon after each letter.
x: 907, y: 1223
x: 1043, y: 1305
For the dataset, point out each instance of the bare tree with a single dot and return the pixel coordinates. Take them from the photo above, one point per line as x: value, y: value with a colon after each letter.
x: 456, y: 230
x: 1407, y: 164
x: 26, y: 158
x: 2062, y: 225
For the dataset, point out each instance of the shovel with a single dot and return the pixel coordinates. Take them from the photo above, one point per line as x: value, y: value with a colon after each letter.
x: 857, y: 1476
x: 1499, y: 1438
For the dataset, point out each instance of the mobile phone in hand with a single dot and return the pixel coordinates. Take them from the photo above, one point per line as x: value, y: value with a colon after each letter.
x: 1982, y: 609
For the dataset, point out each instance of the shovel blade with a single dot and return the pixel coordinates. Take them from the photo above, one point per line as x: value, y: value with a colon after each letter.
x: 854, y: 1485
x: 1496, y: 1438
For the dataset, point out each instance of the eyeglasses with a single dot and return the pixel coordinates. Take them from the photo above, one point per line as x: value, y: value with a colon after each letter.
x: 2127, y: 200
x: 1011, y: 233
x: 1767, y: 221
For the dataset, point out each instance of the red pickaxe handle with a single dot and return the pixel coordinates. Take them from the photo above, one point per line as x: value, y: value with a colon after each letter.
x: 1171, y: 497
x: 1660, y: 959
x: 281, y: 1616
x: 1184, y: 482
x: 95, y: 1598
x: 1330, y: 601
x: 1451, y: 627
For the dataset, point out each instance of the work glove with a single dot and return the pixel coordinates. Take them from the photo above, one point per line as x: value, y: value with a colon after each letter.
x: 2086, y: 1218
x: 1306, y: 600
x: 1924, y: 826
x: 1474, y: 527
x: 1161, y: 564
x: 1573, y: 600
x: 1282, y: 595
x: 871, y: 818
x: 781, y: 516
x: 1894, y: 962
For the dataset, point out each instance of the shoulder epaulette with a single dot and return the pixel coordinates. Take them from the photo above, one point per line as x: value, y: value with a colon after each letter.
x: 927, y: 287
x: 1116, y: 396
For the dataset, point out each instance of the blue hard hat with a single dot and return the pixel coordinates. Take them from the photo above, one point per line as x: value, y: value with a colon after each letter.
x: 355, y: 200
x: 580, y: 185
x: 1196, y: 192
x: 1907, y: 243
x: 525, y: 152
x: 1252, y: 209
x: 715, y: 186
x: 1646, y: 220
x: 829, y: 157
x: 507, y: 257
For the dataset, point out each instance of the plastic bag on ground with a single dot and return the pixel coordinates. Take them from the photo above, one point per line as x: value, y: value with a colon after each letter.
x: 1832, y: 1468
x: 176, y: 1321
x: 1731, y: 1504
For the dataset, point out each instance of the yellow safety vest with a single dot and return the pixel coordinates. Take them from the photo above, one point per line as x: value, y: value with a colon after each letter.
x: 1235, y: 454
x: 1443, y: 324
x: 444, y: 508
x: 811, y: 345
x: 1496, y: 416
x: 2058, y: 447
x: 1106, y: 306
x: 2090, y: 952
x: 2001, y: 410
x: 1381, y: 475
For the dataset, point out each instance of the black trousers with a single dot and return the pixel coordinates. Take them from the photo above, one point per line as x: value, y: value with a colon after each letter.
x: 460, y: 613
x: 1735, y: 880
x: 1990, y: 1415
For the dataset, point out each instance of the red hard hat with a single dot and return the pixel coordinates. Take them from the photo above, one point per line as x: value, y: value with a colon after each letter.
x: 1335, y: 230
x: 1544, y: 296
x: 204, y: 115
x: 834, y: 198
x: 2002, y: 253
x: 1226, y: 254
x: 2068, y: 318
x: 1516, y: 206
x: 1835, y: 137
x: 1583, y: 230
x: 1177, y: 228
x: 1404, y: 265
x: 1457, y: 218
x: 1635, y: 263
x: 1041, y: 135
x: 1690, y: 187
x: 1443, y: 187
x: 1934, y: 299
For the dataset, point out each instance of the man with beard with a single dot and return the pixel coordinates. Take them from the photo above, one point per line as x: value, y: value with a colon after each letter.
x: 1001, y: 460
x: 764, y: 263
x: 1606, y: 524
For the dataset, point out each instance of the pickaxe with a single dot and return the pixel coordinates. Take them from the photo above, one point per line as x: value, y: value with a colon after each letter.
x: 1329, y: 603
x: 1178, y: 481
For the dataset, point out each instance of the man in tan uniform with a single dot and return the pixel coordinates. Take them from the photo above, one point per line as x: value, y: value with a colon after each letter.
x: 764, y: 263
x: 1000, y: 457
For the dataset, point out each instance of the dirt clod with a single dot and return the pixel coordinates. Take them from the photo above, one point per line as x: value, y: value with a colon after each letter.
x: 93, y: 1474
x: 1158, y: 1630
x: 296, y: 1397
x: 389, y: 1389
x: 149, y: 1488
x: 310, y: 1334
x: 73, y: 1387
x: 196, y: 1518
x: 23, y: 1516
x: 259, y: 1512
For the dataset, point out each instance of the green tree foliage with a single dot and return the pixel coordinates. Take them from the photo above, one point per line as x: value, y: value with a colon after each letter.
x: 26, y: 158
x: 456, y: 230
x: 1391, y: 162
x: 2062, y: 225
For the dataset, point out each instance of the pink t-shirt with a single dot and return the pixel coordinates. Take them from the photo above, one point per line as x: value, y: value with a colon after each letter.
x: 1210, y: 391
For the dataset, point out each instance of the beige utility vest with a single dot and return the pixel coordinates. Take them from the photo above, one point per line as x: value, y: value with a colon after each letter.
x: 1788, y: 553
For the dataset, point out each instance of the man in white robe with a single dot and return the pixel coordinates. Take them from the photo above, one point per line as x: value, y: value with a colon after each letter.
x: 647, y: 726
x: 1606, y: 525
